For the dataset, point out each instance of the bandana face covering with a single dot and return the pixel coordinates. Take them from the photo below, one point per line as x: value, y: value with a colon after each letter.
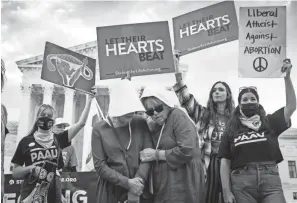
x: 249, y: 109
x: 44, y: 139
x: 253, y: 122
x: 45, y: 123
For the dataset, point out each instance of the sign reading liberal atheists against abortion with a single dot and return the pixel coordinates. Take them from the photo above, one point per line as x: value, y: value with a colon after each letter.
x: 206, y: 27
x: 262, y: 42
x: 141, y: 49
x: 68, y: 68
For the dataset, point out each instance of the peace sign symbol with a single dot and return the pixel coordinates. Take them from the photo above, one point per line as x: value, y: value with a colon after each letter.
x: 260, y: 64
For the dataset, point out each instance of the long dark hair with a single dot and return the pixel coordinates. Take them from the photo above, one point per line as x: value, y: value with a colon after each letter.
x: 211, y: 108
x: 40, y: 110
x: 234, y: 122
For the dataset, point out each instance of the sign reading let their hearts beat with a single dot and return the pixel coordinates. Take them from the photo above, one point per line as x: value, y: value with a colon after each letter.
x: 141, y: 49
x: 206, y: 27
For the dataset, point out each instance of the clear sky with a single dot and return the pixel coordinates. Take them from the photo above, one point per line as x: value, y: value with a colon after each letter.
x: 26, y: 26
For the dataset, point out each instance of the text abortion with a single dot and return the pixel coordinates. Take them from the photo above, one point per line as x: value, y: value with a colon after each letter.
x: 212, y: 25
x: 268, y: 26
x: 148, y: 50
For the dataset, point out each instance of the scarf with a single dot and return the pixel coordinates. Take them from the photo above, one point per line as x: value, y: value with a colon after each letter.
x: 44, y: 139
x: 253, y: 122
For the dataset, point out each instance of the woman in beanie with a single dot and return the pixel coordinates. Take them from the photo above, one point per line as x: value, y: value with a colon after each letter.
x: 210, y: 121
x: 250, y: 150
x: 116, y: 144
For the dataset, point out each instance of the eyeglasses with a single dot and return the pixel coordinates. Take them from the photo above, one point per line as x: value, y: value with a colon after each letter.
x: 248, y: 87
x: 151, y: 111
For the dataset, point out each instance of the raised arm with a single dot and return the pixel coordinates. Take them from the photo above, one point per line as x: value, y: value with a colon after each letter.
x: 290, y: 92
x: 74, y: 129
x: 186, y: 99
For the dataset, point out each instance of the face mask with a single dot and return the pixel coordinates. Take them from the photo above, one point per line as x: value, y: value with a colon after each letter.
x: 45, y: 123
x: 249, y: 109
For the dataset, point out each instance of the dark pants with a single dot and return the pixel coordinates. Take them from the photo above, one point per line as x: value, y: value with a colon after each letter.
x: 257, y: 184
x: 213, y: 184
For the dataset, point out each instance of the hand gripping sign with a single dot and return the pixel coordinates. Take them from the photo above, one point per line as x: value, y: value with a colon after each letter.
x: 67, y: 68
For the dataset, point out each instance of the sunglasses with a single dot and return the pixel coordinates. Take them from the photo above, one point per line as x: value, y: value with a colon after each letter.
x: 249, y: 87
x: 151, y: 111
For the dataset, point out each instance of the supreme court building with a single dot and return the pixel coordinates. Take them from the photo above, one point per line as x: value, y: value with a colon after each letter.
x: 68, y: 103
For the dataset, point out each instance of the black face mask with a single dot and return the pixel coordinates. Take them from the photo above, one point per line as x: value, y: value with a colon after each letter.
x: 45, y: 123
x: 249, y: 109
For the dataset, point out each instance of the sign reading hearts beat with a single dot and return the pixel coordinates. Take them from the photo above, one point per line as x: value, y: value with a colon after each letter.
x: 262, y: 42
x: 206, y: 27
x: 68, y: 68
x: 141, y: 49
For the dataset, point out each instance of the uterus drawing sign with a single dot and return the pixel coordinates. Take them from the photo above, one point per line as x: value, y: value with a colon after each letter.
x: 69, y: 67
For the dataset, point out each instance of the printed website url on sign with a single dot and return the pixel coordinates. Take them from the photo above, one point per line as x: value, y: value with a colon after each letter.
x: 207, y: 44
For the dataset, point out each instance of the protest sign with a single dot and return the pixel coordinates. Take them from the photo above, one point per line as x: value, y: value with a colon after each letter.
x: 141, y: 49
x: 77, y: 187
x: 262, y: 41
x: 206, y: 27
x: 68, y: 68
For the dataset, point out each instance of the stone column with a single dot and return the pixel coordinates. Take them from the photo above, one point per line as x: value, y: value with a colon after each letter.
x: 68, y: 106
x: 25, y: 106
x: 47, y: 94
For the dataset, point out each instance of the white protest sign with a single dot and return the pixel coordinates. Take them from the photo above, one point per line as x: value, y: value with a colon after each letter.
x: 262, y: 41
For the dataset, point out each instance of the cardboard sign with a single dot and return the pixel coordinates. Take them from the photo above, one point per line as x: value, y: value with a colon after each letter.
x: 262, y: 42
x: 141, y: 49
x: 68, y: 68
x: 206, y: 27
x: 76, y: 187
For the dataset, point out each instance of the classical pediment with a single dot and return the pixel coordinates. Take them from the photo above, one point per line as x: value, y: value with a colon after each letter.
x: 88, y: 49
x: 36, y: 61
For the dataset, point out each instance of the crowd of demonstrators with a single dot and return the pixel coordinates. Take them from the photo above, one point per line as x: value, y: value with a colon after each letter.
x: 116, y: 145
x: 211, y: 122
x: 4, y: 130
x: 177, y: 171
x: 38, y: 157
x: 68, y: 153
x: 148, y: 150
x: 178, y: 165
x: 250, y: 150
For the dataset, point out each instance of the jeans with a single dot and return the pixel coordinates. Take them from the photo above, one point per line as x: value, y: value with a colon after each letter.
x: 257, y: 183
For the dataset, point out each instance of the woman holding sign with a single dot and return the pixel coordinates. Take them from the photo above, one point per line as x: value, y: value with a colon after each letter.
x: 250, y: 150
x: 210, y: 121
x: 38, y: 156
